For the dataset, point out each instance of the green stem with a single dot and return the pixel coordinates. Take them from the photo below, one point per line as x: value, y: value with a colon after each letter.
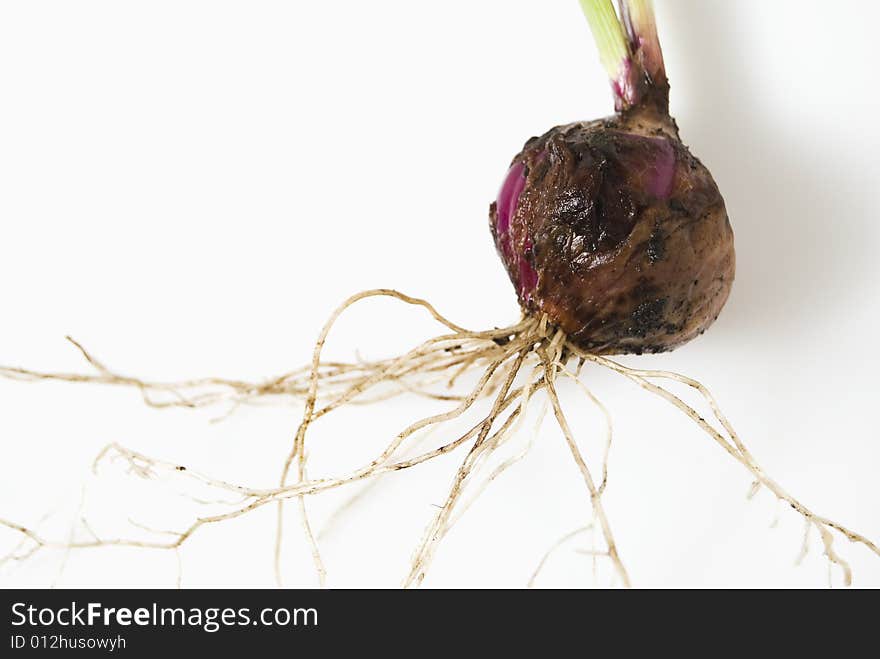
x: 630, y: 53
x: 608, y: 34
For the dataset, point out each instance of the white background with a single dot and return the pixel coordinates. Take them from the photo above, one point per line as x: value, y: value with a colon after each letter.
x: 189, y: 188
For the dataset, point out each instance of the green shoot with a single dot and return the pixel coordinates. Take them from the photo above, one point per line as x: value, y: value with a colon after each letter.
x: 608, y: 34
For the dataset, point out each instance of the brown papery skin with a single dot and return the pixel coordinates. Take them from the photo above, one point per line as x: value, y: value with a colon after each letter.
x: 626, y: 232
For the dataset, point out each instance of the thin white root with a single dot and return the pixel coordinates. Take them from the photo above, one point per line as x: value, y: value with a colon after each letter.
x: 556, y: 545
x: 298, y: 450
x: 606, y: 415
x: 440, y: 525
x: 349, y: 504
x: 595, y: 497
x: 511, y: 461
x: 734, y: 446
x: 290, y: 387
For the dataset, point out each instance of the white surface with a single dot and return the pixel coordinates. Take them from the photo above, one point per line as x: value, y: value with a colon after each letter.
x: 189, y: 188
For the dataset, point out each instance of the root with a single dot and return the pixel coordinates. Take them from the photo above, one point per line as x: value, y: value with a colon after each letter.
x: 460, y: 335
x: 556, y: 545
x: 514, y: 459
x: 290, y: 387
x: 730, y: 441
x: 481, y: 449
x: 550, y: 370
x: 510, y: 366
x: 349, y: 504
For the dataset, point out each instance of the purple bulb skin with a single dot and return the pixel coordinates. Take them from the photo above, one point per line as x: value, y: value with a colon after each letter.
x: 616, y: 232
x: 523, y: 275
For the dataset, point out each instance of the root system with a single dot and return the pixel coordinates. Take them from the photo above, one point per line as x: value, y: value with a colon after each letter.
x: 514, y: 366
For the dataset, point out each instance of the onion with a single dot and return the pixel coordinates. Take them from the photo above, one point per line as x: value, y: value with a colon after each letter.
x: 614, y: 230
